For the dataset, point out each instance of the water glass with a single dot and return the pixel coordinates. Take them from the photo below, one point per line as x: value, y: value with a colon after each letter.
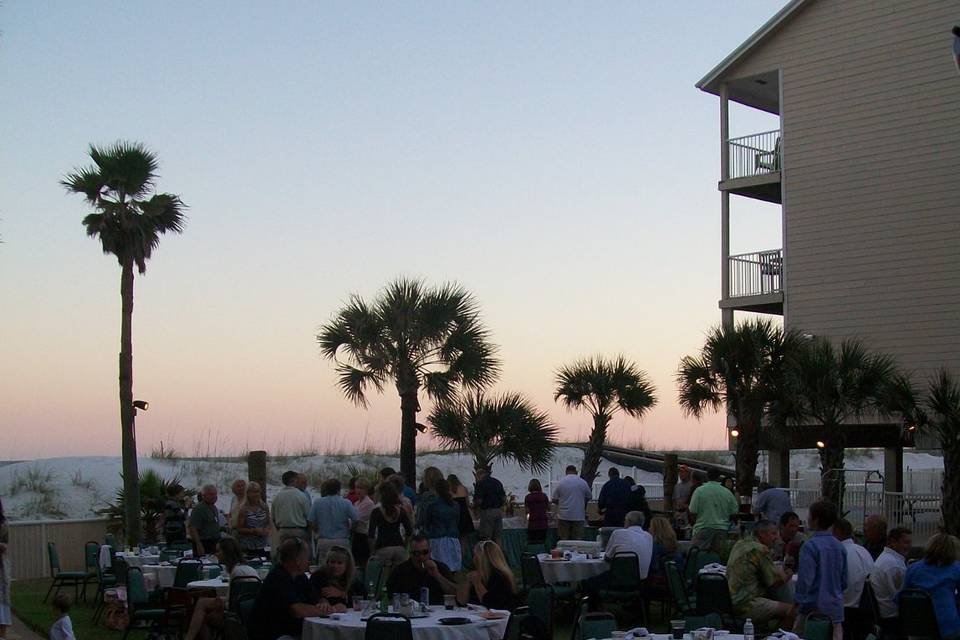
x: 449, y: 602
x: 678, y: 627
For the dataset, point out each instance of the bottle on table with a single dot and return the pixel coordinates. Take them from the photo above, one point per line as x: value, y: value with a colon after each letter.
x: 748, y: 630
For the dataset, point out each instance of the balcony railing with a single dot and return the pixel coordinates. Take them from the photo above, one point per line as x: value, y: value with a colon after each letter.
x: 756, y: 274
x: 754, y: 155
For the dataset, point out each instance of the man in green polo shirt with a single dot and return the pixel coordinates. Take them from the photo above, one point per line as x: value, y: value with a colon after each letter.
x: 710, y: 509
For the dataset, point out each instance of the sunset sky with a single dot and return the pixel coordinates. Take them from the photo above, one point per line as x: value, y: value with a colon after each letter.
x: 552, y: 157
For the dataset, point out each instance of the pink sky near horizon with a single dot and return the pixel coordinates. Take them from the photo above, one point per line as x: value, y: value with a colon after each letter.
x: 556, y: 161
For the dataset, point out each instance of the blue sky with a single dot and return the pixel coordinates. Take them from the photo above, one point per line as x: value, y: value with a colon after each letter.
x: 554, y: 158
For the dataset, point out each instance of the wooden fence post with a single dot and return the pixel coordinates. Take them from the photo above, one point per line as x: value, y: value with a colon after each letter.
x: 669, y: 480
x: 257, y: 470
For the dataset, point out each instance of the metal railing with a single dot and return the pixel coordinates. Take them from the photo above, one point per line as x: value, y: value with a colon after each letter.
x: 754, y: 155
x: 755, y: 274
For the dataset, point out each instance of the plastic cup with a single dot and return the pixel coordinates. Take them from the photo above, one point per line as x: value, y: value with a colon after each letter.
x: 449, y: 602
x: 678, y: 627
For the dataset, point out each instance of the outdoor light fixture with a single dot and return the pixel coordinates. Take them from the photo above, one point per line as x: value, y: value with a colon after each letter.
x: 422, y: 428
x: 141, y: 404
x: 821, y: 444
x: 735, y: 433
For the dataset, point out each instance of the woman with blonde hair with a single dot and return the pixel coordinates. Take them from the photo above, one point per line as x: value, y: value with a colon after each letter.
x: 492, y: 583
x: 334, y: 581
x: 938, y: 573
x: 664, y: 549
x: 252, y: 523
x: 389, y: 527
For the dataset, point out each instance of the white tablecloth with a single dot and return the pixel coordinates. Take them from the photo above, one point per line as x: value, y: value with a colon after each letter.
x: 104, y: 558
x: 135, y: 560
x: 351, y: 627
x: 555, y: 571
x: 214, y: 583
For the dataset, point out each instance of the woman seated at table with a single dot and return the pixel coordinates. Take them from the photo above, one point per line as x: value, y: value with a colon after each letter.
x: 492, y: 584
x: 334, y: 581
x: 938, y: 573
x: 209, y: 611
x: 664, y: 549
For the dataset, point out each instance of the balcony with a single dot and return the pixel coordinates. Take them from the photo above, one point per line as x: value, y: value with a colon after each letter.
x: 755, y: 282
x: 754, y: 163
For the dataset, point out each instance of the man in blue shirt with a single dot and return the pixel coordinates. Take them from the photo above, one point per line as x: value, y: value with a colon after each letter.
x: 614, y: 499
x: 772, y: 502
x: 332, y: 518
x: 822, y: 572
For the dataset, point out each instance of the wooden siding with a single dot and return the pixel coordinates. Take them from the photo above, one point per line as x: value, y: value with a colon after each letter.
x: 871, y: 143
x: 28, y: 545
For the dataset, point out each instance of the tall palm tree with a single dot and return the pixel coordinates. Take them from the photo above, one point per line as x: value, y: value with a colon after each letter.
x: 937, y: 413
x: 419, y: 338
x: 506, y: 427
x: 129, y: 219
x: 739, y: 368
x: 831, y: 385
x: 604, y: 388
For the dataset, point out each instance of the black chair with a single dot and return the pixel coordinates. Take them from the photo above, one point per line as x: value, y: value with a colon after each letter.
x: 540, y: 606
x: 388, y: 626
x: 713, y: 596
x: 594, y: 624
x: 817, y: 627
x: 678, y: 589
x: 623, y: 584
x: 515, y: 622
x: 244, y: 607
x: 917, y: 617
x: 233, y: 627
x: 242, y: 586
x: 532, y: 576
x: 188, y: 570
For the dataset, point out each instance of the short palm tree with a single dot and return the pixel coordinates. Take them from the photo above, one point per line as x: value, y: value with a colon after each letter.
x: 419, y: 338
x: 128, y: 219
x: 604, y: 388
x: 830, y: 385
x: 740, y: 369
x: 504, y: 427
x: 937, y: 413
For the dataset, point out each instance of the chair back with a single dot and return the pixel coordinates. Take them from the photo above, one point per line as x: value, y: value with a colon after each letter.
x: 373, y: 577
x: 531, y: 572
x: 241, y: 586
x: 624, y: 574
x: 111, y: 541
x: 54, y: 557
x: 91, y: 557
x: 690, y: 567
x: 817, y: 627
x: 540, y: 605
x: 168, y: 555
x: 388, y: 626
x: 136, y: 588
x: 595, y: 624
x: 188, y: 570
x: 678, y: 589
x: 533, y: 548
x: 712, y: 620
x: 244, y: 607
x: 514, y: 622
x: 713, y: 594
x: 917, y: 617
x: 120, y: 569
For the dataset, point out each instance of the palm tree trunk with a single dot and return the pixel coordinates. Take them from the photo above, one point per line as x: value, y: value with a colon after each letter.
x: 831, y: 465
x: 128, y: 441
x: 408, y: 436
x: 748, y: 456
x: 591, y: 456
x: 951, y: 486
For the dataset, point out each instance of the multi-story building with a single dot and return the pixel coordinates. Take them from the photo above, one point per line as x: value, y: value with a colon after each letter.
x: 865, y: 168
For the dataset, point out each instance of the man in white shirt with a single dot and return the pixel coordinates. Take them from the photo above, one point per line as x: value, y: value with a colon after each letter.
x: 571, y: 495
x: 859, y: 567
x: 887, y: 577
x: 632, y: 539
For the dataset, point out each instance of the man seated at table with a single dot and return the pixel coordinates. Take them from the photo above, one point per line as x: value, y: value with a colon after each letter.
x: 632, y: 539
x: 419, y: 571
x: 286, y: 597
x: 752, y: 575
x: 786, y: 548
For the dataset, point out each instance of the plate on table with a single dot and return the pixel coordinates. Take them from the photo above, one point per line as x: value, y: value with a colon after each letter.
x: 556, y: 560
x: 454, y: 620
x: 493, y: 615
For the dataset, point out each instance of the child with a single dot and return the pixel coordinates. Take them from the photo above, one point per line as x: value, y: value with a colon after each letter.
x: 62, y: 629
x: 538, y: 506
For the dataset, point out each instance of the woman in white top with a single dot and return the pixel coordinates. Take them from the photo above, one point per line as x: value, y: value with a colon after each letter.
x: 364, y: 505
x: 209, y: 611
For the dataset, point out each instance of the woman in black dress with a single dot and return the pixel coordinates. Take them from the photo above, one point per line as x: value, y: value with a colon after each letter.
x: 462, y: 497
x: 492, y: 584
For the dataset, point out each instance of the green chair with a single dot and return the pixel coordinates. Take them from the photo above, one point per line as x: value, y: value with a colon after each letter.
x: 105, y: 581
x: 623, y: 583
x: 138, y: 603
x: 111, y: 541
x: 373, y: 578
x: 242, y: 586
x: 540, y: 605
x: 712, y: 620
x: 594, y: 624
x: 388, y: 626
x: 75, y: 579
x: 818, y: 627
x: 678, y: 589
x: 188, y: 570
x: 91, y: 564
x: 917, y: 618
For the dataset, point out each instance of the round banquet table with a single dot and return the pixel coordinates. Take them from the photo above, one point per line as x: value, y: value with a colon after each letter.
x: 555, y: 571
x: 162, y: 575
x: 138, y: 560
x: 349, y: 626
x: 219, y: 585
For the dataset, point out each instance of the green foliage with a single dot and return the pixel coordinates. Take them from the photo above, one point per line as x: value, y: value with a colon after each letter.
x: 153, y: 495
x: 504, y: 427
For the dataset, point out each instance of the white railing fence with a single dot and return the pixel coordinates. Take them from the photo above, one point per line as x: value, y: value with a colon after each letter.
x: 754, y: 155
x: 757, y: 273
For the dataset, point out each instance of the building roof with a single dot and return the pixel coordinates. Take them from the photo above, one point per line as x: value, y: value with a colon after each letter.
x: 710, y: 82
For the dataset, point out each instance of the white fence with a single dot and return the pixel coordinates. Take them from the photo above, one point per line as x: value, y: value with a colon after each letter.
x: 28, y: 544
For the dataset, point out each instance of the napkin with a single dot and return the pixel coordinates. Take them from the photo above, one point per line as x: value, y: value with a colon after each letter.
x: 714, y: 567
